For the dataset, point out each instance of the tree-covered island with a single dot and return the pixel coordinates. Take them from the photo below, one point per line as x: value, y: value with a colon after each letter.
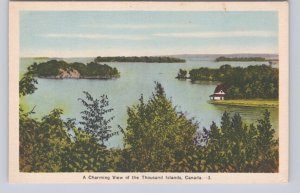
x: 252, y: 82
x: 146, y: 59
x: 60, y: 69
x: 240, y: 59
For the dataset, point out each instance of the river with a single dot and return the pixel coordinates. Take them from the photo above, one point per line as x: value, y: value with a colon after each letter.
x: 137, y: 79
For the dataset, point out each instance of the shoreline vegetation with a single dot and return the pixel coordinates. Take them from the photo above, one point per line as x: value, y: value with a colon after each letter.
x: 241, y: 59
x: 247, y: 103
x: 59, y: 69
x: 252, y: 82
x: 146, y: 59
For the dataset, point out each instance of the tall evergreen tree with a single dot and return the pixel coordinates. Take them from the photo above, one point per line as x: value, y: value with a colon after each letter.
x: 236, y: 147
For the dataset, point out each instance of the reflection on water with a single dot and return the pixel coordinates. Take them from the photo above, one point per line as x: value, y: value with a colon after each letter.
x: 137, y: 79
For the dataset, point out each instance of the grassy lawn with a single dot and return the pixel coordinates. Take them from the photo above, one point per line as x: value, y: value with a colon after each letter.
x: 247, y: 103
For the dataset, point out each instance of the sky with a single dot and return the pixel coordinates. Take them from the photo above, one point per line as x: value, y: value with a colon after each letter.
x: 146, y: 33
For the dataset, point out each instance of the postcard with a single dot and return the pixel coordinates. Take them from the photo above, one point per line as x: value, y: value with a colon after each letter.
x: 148, y: 92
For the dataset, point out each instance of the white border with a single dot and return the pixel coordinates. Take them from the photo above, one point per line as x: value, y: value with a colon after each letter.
x: 223, y: 178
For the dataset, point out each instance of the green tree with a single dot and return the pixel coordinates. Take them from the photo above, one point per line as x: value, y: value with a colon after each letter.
x: 27, y: 128
x: 54, y: 145
x: 267, y: 145
x: 157, y: 137
x: 236, y: 147
x: 182, y: 74
x: 28, y: 81
x: 94, y: 120
x: 260, y: 81
x: 42, y: 143
x: 85, y: 154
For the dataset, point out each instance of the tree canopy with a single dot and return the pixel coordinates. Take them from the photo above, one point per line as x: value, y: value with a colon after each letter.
x: 259, y: 81
x: 240, y: 59
x: 237, y: 147
x: 157, y: 137
x: 146, y: 59
x: 55, y: 69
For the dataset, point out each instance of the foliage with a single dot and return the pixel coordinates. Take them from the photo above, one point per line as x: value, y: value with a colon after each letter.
x: 236, y: 147
x: 50, y: 68
x: 53, y: 69
x: 96, y: 70
x: 147, y: 59
x: 94, y: 121
x: 42, y: 143
x: 157, y: 137
x: 54, y: 145
x: 182, y: 74
x: 240, y: 59
x: 27, y: 127
x: 85, y: 154
x: 260, y: 81
x: 267, y: 145
x: 28, y: 81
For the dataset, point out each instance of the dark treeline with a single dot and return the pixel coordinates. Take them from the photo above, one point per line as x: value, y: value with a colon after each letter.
x: 157, y: 138
x: 147, y: 59
x: 260, y: 81
x: 182, y: 74
x: 240, y: 59
x: 57, y: 69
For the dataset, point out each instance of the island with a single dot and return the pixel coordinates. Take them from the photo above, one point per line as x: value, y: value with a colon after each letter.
x: 241, y: 59
x: 145, y: 59
x: 59, y: 69
x: 257, y: 82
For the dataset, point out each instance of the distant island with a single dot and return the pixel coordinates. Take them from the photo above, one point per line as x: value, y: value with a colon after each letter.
x: 60, y: 69
x: 146, y: 59
x: 240, y: 59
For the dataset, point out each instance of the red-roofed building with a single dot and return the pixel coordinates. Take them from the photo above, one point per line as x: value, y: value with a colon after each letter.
x: 219, y: 93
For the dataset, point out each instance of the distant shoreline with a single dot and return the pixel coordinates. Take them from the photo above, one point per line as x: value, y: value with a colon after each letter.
x: 240, y: 59
x: 145, y: 59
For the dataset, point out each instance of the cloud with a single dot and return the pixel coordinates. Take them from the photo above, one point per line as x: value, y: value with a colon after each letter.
x: 139, y: 26
x: 228, y: 34
x: 95, y: 36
